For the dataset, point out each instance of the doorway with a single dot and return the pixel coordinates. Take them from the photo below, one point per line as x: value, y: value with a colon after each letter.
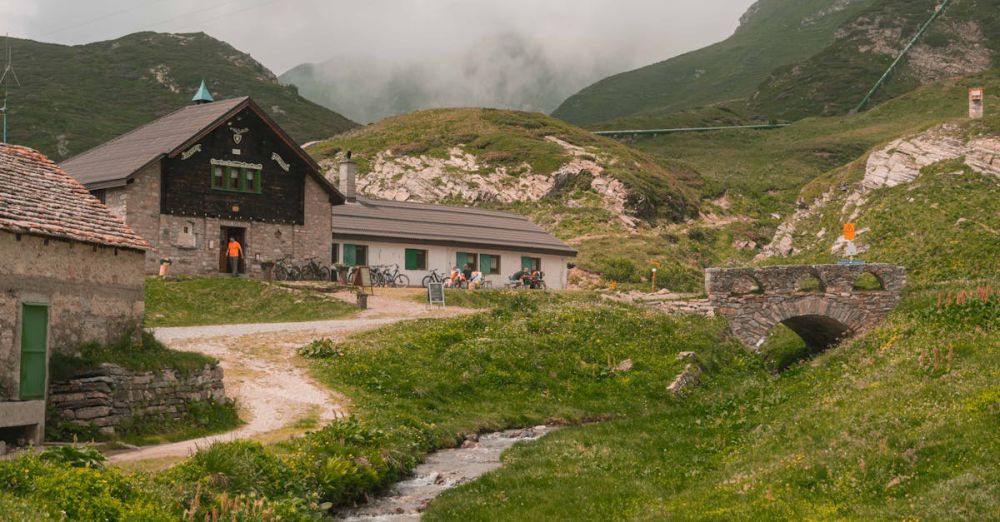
x: 34, y: 345
x: 240, y: 234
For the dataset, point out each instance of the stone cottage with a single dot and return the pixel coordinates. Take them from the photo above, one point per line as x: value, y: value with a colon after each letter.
x: 70, y: 272
x: 211, y: 171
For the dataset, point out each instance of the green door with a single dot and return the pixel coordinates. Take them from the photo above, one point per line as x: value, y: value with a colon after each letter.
x: 34, y: 334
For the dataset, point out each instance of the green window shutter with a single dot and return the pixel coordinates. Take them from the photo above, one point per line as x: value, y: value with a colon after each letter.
x: 460, y: 260
x: 34, y: 333
x: 411, y: 259
x: 526, y: 262
x: 488, y: 264
x: 350, y: 255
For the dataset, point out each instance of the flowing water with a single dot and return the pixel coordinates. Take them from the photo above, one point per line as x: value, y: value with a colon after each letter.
x: 442, y: 470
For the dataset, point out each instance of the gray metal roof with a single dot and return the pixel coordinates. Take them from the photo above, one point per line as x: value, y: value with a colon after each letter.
x: 112, y: 162
x: 421, y: 223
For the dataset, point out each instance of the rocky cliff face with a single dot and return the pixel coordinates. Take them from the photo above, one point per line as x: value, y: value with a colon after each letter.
x: 465, y: 178
x: 898, y: 163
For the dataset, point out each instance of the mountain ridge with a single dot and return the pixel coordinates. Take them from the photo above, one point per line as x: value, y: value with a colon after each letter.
x: 73, y: 98
x: 818, y: 64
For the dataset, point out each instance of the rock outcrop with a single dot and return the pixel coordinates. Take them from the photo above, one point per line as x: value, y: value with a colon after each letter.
x: 464, y: 177
x: 898, y: 163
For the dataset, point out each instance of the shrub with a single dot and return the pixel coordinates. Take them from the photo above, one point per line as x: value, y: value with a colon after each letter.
x: 74, y: 456
x: 320, y: 349
x: 621, y: 271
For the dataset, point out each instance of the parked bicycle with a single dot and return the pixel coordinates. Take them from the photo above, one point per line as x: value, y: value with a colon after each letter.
x: 284, y: 270
x: 434, y: 277
x: 312, y: 269
x: 393, y: 277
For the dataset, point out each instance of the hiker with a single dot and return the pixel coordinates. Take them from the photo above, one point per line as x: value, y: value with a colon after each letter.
x: 234, y: 251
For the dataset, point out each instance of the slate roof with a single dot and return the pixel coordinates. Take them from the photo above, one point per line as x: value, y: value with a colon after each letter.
x: 112, y: 163
x: 37, y: 197
x: 421, y: 223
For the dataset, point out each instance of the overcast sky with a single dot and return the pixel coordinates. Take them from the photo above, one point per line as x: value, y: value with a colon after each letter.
x: 382, y: 57
x: 284, y: 33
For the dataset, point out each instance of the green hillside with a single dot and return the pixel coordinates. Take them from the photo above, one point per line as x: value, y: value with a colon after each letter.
x: 427, y: 155
x: 964, y: 40
x: 900, y: 424
x: 75, y: 97
x: 772, y: 34
x: 764, y: 171
x: 815, y: 65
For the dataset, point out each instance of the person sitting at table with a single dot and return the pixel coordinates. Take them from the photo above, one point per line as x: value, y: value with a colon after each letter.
x: 476, y: 279
x: 535, y: 280
x: 454, y: 278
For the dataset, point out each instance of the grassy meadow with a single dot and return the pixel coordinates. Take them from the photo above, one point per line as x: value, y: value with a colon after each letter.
x: 194, y: 301
x: 900, y: 423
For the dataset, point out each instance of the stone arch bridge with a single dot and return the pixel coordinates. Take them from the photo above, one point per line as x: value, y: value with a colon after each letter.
x: 823, y: 304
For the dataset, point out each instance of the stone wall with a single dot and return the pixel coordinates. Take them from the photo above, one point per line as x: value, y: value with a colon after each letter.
x: 192, y: 242
x: 138, y: 203
x: 93, y: 293
x: 755, y: 300
x: 110, y: 395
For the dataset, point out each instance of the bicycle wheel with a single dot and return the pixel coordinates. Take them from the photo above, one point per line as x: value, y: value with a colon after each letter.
x: 401, y: 281
x: 294, y: 273
x: 324, y: 273
x: 426, y: 281
x: 280, y: 273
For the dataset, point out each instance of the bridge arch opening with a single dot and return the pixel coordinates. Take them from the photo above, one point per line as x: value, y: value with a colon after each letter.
x: 868, y: 282
x: 810, y: 284
x: 801, y: 337
x: 747, y: 285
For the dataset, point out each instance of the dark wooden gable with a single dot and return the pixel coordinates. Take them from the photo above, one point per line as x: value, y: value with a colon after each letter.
x: 186, y: 179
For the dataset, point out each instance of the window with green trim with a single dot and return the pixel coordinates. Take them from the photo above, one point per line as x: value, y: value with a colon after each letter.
x: 236, y: 179
x: 218, y: 177
x: 355, y: 255
x: 466, y: 258
x: 531, y: 263
x: 416, y: 259
x: 490, y: 264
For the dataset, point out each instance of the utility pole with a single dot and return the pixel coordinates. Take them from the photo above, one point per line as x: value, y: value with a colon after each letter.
x: 8, y: 75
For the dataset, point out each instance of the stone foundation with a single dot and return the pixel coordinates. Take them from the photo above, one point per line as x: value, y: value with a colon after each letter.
x: 110, y: 395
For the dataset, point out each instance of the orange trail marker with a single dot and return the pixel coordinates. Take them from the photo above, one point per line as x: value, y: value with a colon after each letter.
x: 849, y: 232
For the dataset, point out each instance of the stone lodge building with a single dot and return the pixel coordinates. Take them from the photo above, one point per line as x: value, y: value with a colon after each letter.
x: 192, y: 179
x: 70, y: 272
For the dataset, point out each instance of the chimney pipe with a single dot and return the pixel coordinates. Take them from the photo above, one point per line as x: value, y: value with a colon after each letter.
x: 348, y: 178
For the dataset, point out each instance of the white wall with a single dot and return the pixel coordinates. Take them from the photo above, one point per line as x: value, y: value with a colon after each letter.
x: 443, y: 258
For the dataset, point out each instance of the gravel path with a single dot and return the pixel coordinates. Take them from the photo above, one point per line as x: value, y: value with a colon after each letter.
x: 270, y: 384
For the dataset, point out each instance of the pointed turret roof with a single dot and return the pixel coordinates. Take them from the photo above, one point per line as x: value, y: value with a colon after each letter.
x: 203, y: 96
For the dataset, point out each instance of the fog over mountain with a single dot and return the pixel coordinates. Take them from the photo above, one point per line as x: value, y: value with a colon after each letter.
x: 381, y: 57
x: 505, y: 70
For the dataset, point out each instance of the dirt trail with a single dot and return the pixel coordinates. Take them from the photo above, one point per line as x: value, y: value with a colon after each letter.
x: 272, y: 388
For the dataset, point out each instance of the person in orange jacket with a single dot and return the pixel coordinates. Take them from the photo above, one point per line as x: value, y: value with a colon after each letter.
x: 235, y: 252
